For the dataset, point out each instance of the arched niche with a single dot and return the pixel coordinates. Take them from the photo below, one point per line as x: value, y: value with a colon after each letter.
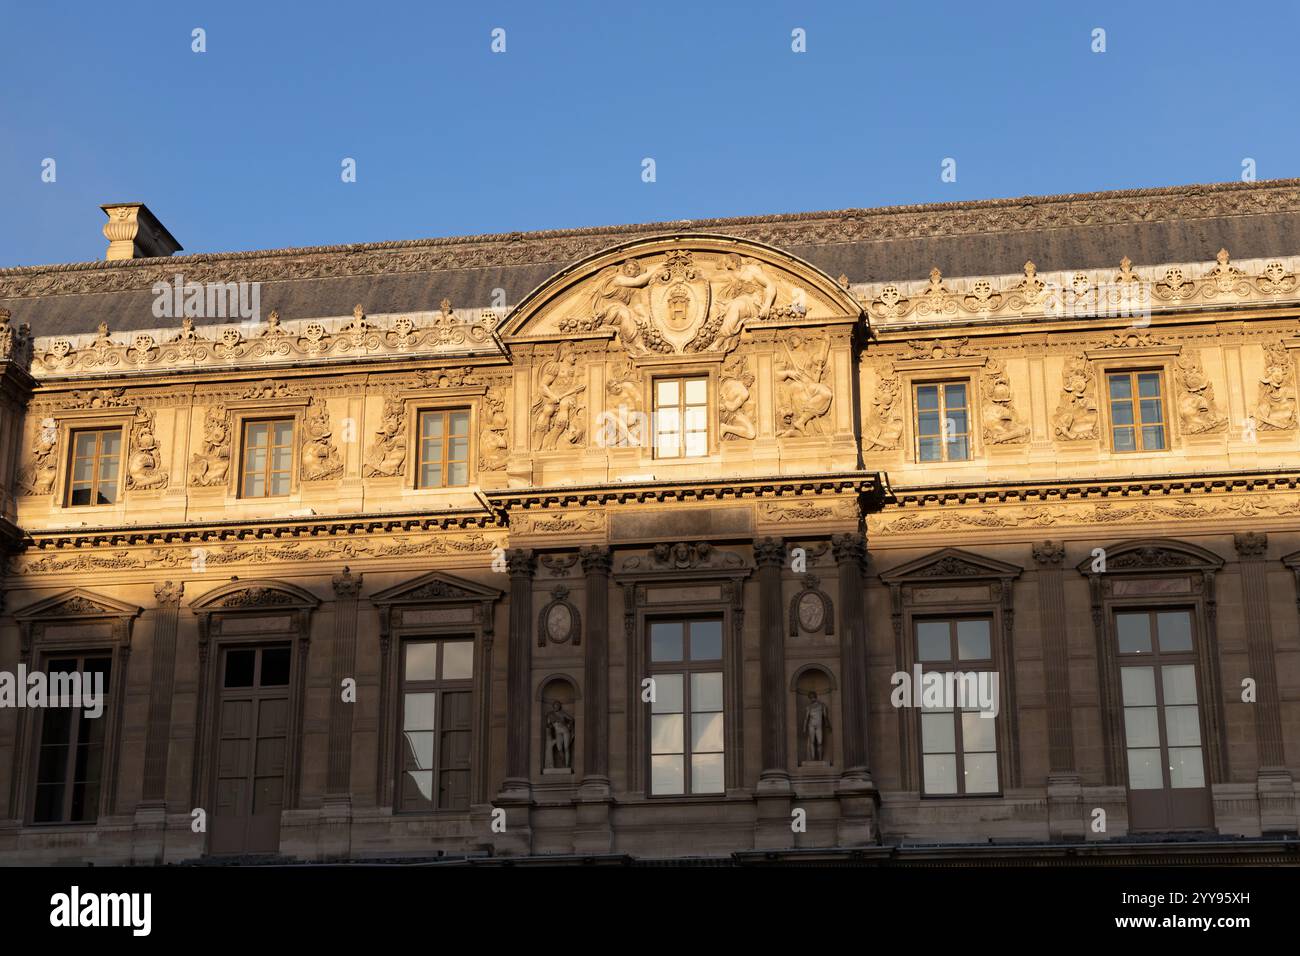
x: 557, y: 698
x: 814, y: 692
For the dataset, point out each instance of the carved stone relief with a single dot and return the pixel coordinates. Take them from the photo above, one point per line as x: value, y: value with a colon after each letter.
x: 386, y: 457
x: 493, y: 441
x: 37, y: 478
x: 320, y: 457
x: 559, y: 621
x: 1002, y: 426
x: 1197, y: 410
x: 735, y: 400
x: 144, y: 464
x: 803, y: 397
x: 560, y: 408
x: 884, y: 427
x: 210, y: 466
x: 623, y: 425
x: 1076, y: 416
x: 1275, y: 408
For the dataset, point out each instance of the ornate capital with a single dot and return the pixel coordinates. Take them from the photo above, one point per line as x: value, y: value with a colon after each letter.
x: 168, y: 593
x: 850, y: 549
x: 595, y: 560
x: 1049, y: 554
x: 1251, y: 544
x: 520, y: 563
x: 769, y: 552
x: 346, y: 585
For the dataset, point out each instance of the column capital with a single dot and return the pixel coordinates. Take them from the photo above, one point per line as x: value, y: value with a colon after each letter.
x: 769, y: 552
x: 1049, y: 554
x: 596, y: 559
x: 1250, y: 544
x: 346, y: 585
x: 850, y: 548
x: 168, y: 594
x: 521, y: 563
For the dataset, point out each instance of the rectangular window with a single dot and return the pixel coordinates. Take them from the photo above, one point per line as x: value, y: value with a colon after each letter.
x: 1137, y: 411
x: 444, y: 449
x: 70, y: 752
x: 93, y: 471
x: 268, y: 458
x: 1162, y: 724
x: 686, y: 719
x: 681, y: 417
x: 959, y: 745
x: 942, y: 422
x: 437, y: 689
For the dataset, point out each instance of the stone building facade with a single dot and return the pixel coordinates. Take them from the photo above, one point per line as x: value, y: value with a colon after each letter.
x: 651, y: 544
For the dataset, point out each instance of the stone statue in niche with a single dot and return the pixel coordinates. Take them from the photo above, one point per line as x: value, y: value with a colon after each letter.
x: 804, y: 398
x: 559, y: 738
x: 557, y: 413
x: 816, y: 721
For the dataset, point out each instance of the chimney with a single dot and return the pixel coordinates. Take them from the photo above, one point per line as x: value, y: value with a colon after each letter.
x: 133, y: 232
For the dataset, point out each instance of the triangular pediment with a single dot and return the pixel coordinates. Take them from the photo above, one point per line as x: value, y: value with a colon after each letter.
x: 678, y: 295
x: 255, y: 595
x: 77, y: 603
x: 950, y: 564
x: 436, y: 587
x: 1153, y: 555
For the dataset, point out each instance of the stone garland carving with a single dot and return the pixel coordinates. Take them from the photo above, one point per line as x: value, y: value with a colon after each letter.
x: 735, y: 400
x: 560, y: 408
x: 1076, y: 416
x: 559, y: 621
x: 803, y: 398
x: 884, y: 427
x: 1001, y: 424
x: 320, y: 457
x: 232, y: 344
x: 211, y: 466
x: 97, y: 398
x: 937, y: 349
x: 1197, y: 410
x: 493, y: 440
x: 1275, y: 408
x: 144, y: 465
x: 386, y: 457
x: 37, y: 478
x: 684, y: 556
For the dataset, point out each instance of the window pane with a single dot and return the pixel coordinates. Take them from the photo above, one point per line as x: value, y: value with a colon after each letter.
x: 981, y: 772
x: 1153, y: 438
x: 706, y: 773
x: 1144, y: 771
x: 1139, y: 686
x: 418, y: 711
x: 1149, y: 384
x: 432, y: 425
x: 459, y: 449
x: 706, y: 733
x: 431, y: 476
x: 978, y: 734
x: 239, y: 668
x: 1182, y: 728
x: 938, y: 734
x: 933, y: 641
x: 458, y: 473
x: 1120, y: 387
x: 959, y: 449
x: 1121, y: 413
x: 1124, y: 440
x: 973, y: 641
x: 421, y: 660
x: 418, y: 752
x: 669, y: 446
x: 257, y: 435
x: 706, y: 640
x: 460, y: 423
x: 668, y: 694
x: 706, y: 692
x: 1186, y: 770
x: 927, y: 397
x: 929, y: 423
x: 667, y: 774
x: 954, y: 396
x: 1179, y: 684
x: 275, y: 667
x: 929, y: 449
x: 667, y: 733
x: 697, y: 444
x: 940, y: 772
x: 670, y: 420
x: 417, y: 790
x: 1175, y: 631
x: 457, y: 660
x: 284, y: 433
x: 697, y: 391
x: 666, y: 392
x: 1134, y: 632
x: 84, y: 444
x: 1150, y: 410
x: 958, y: 426
x: 1140, y: 728
x: 666, y: 641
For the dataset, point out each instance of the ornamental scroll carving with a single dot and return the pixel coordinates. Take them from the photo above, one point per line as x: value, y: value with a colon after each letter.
x: 1002, y: 426
x: 803, y: 397
x: 144, y: 465
x: 1197, y: 410
x: 1275, y: 408
x: 1075, y: 418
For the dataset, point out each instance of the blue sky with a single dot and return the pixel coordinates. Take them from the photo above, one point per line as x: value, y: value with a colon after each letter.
x: 241, y: 147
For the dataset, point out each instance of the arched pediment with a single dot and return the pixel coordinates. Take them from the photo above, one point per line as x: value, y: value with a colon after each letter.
x: 76, y: 603
x: 950, y: 564
x: 1151, y: 554
x: 255, y: 595
x: 679, y: 295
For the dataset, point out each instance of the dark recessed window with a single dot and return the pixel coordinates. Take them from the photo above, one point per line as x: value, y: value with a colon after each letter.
x: 444, y: 449
x: 437, y: 725
x: 93, y: 470
x: 686, y: 717
x: 70, y: 752
x: 1137, y: 411
x: 268, y: 458
x: 942, y: 422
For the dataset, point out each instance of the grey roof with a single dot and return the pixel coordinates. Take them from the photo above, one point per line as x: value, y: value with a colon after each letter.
x: 987, y: 237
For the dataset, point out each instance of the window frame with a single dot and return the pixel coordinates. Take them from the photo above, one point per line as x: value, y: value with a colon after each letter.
x: 250, y: 421
x: 447, y: 412
x: 69, y: 483
x: 1132, y: 372
x: 682, y: 378
x: 108, y: 770
x: 940, y: 385
x: 686, y: 668
x: 437, y: 686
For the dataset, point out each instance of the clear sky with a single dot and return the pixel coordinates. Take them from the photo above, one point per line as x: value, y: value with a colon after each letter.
x: 242, y: 146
